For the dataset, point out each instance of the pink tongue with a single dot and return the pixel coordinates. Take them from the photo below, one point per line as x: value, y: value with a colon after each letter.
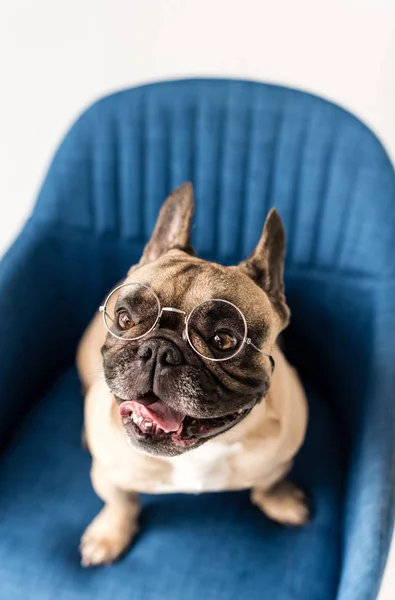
x: 167, y: 418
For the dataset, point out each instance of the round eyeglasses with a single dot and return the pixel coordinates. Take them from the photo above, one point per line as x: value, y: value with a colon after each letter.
x: 215, y: 329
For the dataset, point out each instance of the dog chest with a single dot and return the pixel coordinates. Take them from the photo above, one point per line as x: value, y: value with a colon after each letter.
x: 205, y: 469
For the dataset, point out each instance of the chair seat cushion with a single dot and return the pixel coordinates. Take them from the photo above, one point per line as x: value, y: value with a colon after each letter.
x: 210, y: 546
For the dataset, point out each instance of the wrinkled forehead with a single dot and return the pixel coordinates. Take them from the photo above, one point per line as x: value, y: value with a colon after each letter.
x: 183, y: 282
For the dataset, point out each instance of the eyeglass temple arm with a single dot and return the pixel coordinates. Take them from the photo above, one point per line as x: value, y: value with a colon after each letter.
x: 272, y: 362
x: 102, y: 309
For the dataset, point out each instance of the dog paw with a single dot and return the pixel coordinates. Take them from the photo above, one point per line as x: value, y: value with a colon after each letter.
x: 285, y: 503
x: 107, y: 537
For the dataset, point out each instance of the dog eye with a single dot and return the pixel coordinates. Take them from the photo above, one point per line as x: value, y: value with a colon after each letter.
x: 125, y: 321
x: 223, y: 340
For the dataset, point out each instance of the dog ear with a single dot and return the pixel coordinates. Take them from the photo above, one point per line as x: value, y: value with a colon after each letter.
x: 172, y: 229
x: 265, y: 265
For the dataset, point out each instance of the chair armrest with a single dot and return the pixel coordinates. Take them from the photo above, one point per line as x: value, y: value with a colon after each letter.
x: 36, y: 340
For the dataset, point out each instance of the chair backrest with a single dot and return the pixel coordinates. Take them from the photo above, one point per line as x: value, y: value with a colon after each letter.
x: 246, y: 147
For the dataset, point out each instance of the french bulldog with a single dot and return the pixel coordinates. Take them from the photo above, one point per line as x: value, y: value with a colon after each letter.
x: 181, y: 393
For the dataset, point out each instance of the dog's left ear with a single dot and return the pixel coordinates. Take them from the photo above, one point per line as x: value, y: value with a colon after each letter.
x: 265, y: 265
x: 173, y: 226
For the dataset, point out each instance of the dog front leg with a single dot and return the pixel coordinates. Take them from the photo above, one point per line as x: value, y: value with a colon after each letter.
x: 113, y: 529
x: 284, y: 502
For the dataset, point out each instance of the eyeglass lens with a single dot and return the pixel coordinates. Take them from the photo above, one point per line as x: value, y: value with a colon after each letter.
x: 216, y: 329
x: 131, y: 311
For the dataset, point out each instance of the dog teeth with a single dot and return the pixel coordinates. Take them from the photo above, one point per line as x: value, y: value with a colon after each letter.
x: 146, y: 425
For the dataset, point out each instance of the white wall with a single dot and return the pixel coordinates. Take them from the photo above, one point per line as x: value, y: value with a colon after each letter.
x: 56, y: 57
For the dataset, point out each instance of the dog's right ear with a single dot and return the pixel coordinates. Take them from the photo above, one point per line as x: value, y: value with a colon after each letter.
x: 173, y: 226
x: 265, y: 266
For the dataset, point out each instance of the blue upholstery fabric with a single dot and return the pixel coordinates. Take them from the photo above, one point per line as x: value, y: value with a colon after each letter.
x: 216, y: 546
x: 246, y: 147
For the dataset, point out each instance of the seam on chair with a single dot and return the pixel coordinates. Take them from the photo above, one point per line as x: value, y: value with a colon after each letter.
x: 167, y: 148
x: 298, y: 178
x: 273, y: 171
x: 143, y: 163
x: 67, y: 231
x: 243, y: 200
x: 192, y: 161
x: 145, y: 188
x: 195, y: 170
x: 345, y: 218
x: 323, y: 197
x: 91, y: 175
x: 117, y: 190
x: 219, y: 170
x: 196, y: 83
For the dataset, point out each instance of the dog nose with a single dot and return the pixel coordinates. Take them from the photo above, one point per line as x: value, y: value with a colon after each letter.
x: 163, y: 352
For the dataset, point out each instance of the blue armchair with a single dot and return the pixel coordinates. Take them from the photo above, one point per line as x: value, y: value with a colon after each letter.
x: 246, y: 147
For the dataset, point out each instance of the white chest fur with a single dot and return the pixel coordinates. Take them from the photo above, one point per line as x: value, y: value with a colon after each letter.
x: 205, y: 469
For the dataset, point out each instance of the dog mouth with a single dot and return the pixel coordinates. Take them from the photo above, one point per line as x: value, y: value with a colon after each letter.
x: 157, y: 421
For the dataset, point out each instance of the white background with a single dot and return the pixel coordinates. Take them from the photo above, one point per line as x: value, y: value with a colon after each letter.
x: 57, y: 57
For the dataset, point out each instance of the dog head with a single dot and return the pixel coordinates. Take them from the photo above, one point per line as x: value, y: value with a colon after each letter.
x: 164, y: 358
